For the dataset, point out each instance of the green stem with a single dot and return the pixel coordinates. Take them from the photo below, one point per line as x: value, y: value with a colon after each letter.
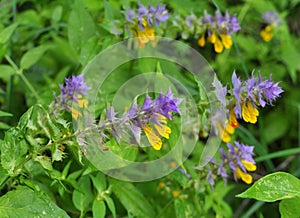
x: 20, y: 73
x: 277, y: 154
x: 29, y: 86
x: 240, y: 57
x: 253, y: 209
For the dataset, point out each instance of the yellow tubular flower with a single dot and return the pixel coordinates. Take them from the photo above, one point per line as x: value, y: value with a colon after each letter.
x: 249, y: 166
x: 201, y: 41
x: 226, y: 40
x: 145, y: 35
x: 163, y: 130
x: 249, y: 113
x: 213, y: 38
x: 267, y: 33
x: 247, y: 178
x: 153, y: 139
x: 225, y: 132
x: 232, y: 119
x: 82, y: 103
x: 75, y: 113
x: 218, y: 46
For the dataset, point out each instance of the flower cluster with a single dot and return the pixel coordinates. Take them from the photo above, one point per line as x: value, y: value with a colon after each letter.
x: 215, y: 29
x: 271, y: 20
x: 250, y: 94
x: 144, y: 20
x: 239, y: 159
x: 218, y: 30
x: 71, y: 95
x: 242, y: 102
x: 150, y: 118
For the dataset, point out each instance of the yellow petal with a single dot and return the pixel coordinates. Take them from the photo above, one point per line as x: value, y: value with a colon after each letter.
x: 267, y: 33
x: 201, y: 41
x: 229, y: 129
x: 249, y: 166
x: 163, y: 130
x: 218, y: 46
x: 249, y: 113
x: 213, y: 38
x: 153, y: 139
x: 226, y: 40
x: 247, y: 178
x: 82, y: 103
x: 75, y: 113
x: 232, y: 119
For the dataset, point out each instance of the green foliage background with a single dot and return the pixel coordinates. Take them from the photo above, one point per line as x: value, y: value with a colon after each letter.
x: 42, y: 42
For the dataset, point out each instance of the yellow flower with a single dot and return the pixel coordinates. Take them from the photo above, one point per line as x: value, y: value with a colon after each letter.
x: 226, y: 40
x: 201, y: 41
x: 218, y: 46
x: 247, y: 178
x: 160, y: 129
x: 267, y: 33
x: 145, y: 35
x: 152, y: 137
x: 175, y: 193
x: 232, y: 119
x: 75, y: 113
x: 225, y: 132
x: 249, y: 113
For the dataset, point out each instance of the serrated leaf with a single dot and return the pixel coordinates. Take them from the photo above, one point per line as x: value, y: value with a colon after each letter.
x: 274, y: 187
x: 132, y: 199
x: 24, y: 202
x: 13, y: 150
x: 32, y: 56
x: 83, y: 198
x: 7, y: 32
x: 99, y: 208
x: 45, y: 162
x: 289, y: 208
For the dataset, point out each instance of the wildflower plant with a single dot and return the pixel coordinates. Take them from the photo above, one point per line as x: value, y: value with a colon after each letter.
x: 142, y: 21
x: 148, y: 132
x: 271, y: 21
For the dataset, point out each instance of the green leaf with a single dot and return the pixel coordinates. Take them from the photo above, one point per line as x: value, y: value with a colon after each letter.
x: 6, y: 72
x: 57, y: 13
x: 111, y: 205
x: 32, y: 56
x: 24, y: 202
x: 5, y: 35
x: 289, y: 208
x: 13, y: 150
x: 83, y: 198
x: 275, y: 126
x: 5, y: 114
x: 99, y: 182
x: 108, y: 11
x: 99, y: 208
x: 89, y: 50
x: 81, y: 26
x: 273, y: 187
x: 132, y: 199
